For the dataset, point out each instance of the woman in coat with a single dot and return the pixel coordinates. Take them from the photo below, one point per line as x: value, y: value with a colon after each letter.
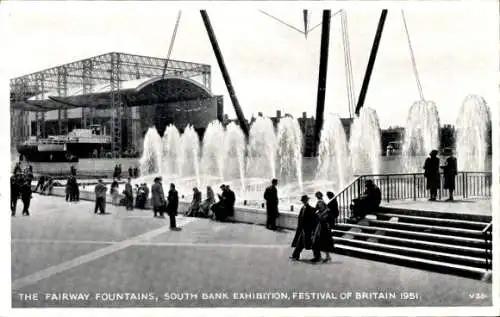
x: 194, y: 208
x: 306, y: 224
x: 322, y: 236
x: 450, y: 172
x: 206, y: 206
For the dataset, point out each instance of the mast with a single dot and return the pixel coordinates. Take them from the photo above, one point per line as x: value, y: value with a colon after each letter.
x: 225, y: 74
x: 371, y: 61
x: 323, y: 68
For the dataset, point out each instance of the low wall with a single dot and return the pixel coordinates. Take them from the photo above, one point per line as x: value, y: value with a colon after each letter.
x: 242, y: 214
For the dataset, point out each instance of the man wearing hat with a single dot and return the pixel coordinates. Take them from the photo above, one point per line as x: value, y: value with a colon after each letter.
x: 431, y: 174
x: 307, y: 222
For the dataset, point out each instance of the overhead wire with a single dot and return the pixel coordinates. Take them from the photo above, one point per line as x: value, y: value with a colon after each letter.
x: 348, y: 64
x: 412, y: 54
x: 281, y: 21
x: 172, y: 41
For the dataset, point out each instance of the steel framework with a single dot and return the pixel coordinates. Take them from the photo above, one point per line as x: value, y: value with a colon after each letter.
x: 110, y: 68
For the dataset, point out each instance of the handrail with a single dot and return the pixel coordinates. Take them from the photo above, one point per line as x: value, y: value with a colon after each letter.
x: 487, y: 246
x: 413, y: 185
x: 422, y: 174
x: 344, y: 198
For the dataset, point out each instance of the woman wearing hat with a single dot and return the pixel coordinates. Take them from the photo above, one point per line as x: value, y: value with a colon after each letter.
x: 431, y: 173
x: 307, y: 222
x: 450, y: 172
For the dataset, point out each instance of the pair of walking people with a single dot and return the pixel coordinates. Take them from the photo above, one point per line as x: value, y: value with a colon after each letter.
x: 162, y: 206
x: 314, y: 228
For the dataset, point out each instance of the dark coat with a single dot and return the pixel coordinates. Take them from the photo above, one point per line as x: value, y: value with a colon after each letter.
x: 322, y: 236
x: 26, y: 191
x: 271, y: 197
x: 431, y: 172
x: 157, y: 196
x: 228, y: 200
x: 333, y: 208
x: 306, y: 223
x: 450, y: 171
x: 15, y: 187
x: 100, y: 190
x: 173, y: 202
x: 128, y: 190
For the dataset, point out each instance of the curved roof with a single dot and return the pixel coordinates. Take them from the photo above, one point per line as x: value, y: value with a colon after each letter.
x: 139, y: 92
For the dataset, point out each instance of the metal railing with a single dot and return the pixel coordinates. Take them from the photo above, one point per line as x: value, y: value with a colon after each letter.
x: 488, y: 245
x: 345, y: 197
x: 413, y: 185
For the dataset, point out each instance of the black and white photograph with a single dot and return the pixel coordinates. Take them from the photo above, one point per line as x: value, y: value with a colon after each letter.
x: 285, y: 155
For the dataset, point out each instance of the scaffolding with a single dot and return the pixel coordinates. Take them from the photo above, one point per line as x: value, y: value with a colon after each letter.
x: 110, y: 69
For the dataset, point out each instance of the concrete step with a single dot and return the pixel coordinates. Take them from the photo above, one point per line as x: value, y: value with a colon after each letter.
x: 428, y: 228
x: 439, y: 266
x: 456, y: 223
x: 420, y: 235
x: 433, y: 246
x: 434, y: 214
x: 479, y: 262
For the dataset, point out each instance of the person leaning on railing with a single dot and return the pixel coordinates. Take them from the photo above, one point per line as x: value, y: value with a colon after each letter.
x: 368, y: 202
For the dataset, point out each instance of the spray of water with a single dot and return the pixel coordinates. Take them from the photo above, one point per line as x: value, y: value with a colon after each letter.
x: 261, y: 160
x: 190, y: 144
x: 172, y: 153
x: 290, y: 151
x: 421, y: 134
x: 365, y: 145
x: 212, y: 162
x: 472, y: 134
x: 333, y: 154
x: 234, y: 154
x: 151, y: 158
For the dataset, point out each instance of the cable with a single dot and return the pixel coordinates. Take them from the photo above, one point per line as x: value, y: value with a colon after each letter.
x: 415, y: 70
x: 333, y: 15
x: 347, y: 63
x: 171, y: 44
x: 282, y: 22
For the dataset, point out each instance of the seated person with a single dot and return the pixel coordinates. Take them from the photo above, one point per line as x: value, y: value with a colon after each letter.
x: 47, y: 187
x: 368, y: 202
x: 40, y: 184
x: 194, y: 208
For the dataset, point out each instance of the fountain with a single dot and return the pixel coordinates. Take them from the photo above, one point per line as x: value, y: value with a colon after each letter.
x: 233, y: 156
x: 421, y: 135
x: 472, y: 134
x: 151, y: 155
x: 364, y: 143
x: 172, y: 153
x: 262, y: 147
x: 212, y: 162
x: 289, y: 142
x: 190, y: 152
x: 333, y: 154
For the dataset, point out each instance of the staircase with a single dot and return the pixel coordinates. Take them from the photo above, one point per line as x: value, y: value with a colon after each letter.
x: 443, y: 242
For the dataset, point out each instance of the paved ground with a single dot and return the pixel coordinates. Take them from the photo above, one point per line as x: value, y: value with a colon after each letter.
x: 64, y: 249
x: 459, y: 206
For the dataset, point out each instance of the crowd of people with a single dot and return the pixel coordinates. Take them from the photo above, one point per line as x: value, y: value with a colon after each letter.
x: 20, y: 188
x: 133, y: 172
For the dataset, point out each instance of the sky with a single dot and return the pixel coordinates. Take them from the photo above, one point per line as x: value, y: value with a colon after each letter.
x: 273, y: 67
